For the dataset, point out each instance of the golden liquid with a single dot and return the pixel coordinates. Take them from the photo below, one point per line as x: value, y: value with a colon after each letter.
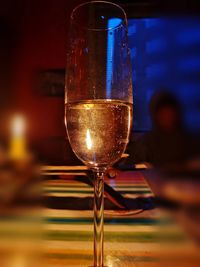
x: 98, y: 130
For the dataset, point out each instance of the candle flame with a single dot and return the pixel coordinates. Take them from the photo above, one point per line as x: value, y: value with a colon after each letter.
x: 18, y: 126
x: 88, y: 106
x: 88, y: 139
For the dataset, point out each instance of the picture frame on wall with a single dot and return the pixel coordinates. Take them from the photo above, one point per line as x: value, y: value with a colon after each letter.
x: 51, y: 82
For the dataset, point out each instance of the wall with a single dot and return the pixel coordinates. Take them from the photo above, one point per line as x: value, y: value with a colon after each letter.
x: 42, y: 28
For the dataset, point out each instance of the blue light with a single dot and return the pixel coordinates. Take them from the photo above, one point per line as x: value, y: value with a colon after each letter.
x: 133, y: 52
x: 155, y: 70
x: 132, y: 29
x: 151, y: 22
x: 112, y: 23
x: 165, y: 53
x: 190, y: 64
x: 188, y: 37
x: 155, y: 45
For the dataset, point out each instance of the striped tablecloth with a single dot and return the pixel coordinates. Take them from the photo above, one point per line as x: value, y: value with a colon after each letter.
x: 66, y: 236
x: 137, y: 240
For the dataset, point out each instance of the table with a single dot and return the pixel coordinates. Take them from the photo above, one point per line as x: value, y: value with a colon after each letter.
x: 65, y: 237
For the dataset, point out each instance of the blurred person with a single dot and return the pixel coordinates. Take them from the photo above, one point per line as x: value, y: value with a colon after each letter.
x: 167, y: 143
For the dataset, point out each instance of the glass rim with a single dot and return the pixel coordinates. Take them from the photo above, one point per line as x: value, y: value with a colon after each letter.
x: 124, y: 20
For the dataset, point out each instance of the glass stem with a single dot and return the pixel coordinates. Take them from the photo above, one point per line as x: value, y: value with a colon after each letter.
x: 98, y: 217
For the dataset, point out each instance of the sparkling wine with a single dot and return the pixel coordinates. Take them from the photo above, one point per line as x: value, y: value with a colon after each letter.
x: 98, y: 130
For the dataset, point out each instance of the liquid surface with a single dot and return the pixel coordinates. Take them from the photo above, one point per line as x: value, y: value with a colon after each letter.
x: 98, y: 130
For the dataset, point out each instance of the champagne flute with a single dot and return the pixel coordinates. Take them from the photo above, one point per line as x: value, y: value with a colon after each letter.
x: 98, y: 96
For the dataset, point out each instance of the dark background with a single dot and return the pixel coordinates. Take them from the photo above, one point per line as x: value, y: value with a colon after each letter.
x: 33, y: 39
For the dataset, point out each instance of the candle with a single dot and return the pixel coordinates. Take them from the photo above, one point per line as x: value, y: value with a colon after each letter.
x: 18, y: 139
